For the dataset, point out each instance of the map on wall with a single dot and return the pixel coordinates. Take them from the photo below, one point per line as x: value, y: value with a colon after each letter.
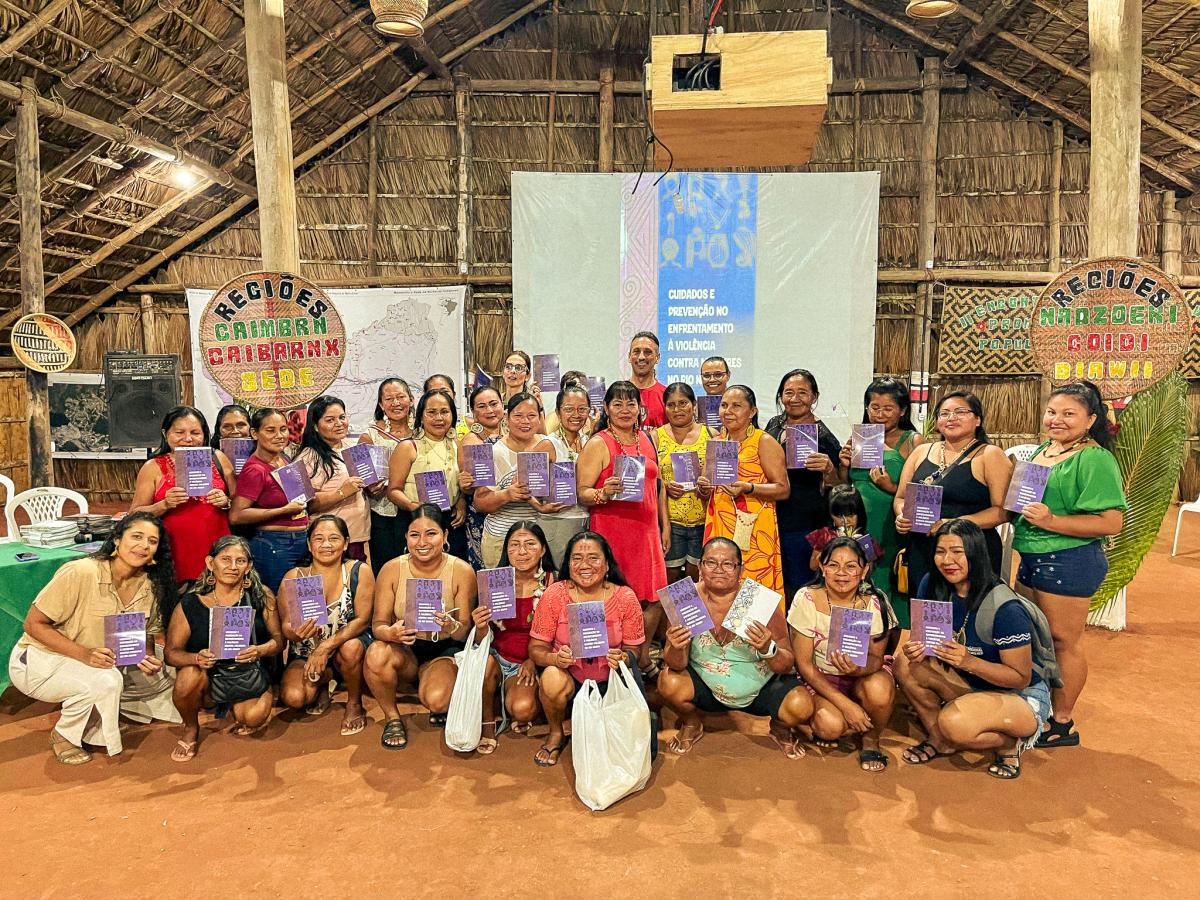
x: 78, y: 412
x: 407, y: 332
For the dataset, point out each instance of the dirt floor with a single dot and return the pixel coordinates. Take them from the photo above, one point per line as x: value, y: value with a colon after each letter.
x: 303, y: 811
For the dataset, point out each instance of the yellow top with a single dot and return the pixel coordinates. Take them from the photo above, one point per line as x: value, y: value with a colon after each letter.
x: 689, y: 509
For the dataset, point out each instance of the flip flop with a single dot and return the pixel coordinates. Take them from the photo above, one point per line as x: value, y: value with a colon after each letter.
x: 184, y: 750
x: 676, y: 744
x: 321, y: 705
x: 553, y: 753
x: 872, y: 756
x: 791, y: 747
x: 521, y: 727
x: 487, y: 745
x: 437, y: 720
x: 354, y: 726
x: 67, y: 753
x: 395, y: 735
x: 922, y: 754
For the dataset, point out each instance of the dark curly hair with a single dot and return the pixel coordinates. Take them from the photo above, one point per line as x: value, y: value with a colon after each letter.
x: 160, y: 570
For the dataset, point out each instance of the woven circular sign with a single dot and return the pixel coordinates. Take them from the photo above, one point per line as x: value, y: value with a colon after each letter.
x: 43, y: 343
x: 1118, y: 322
x: 272, y: 339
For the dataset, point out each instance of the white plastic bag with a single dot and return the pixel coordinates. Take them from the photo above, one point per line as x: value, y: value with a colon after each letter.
x: 610, y: 739
x: 464, y: 718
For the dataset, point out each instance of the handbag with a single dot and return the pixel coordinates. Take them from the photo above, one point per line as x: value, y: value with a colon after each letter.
x: 235, y: 682
x: 610, y: 738
x: 464, y: 718
x: 900, y: 570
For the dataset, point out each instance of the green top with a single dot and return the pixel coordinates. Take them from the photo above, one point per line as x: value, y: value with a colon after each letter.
x: 881, y: 518
x: 733, y: 672
x: 1088, y: 481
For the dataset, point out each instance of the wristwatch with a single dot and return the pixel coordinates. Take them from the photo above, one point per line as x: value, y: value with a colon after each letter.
x: 772, y: 649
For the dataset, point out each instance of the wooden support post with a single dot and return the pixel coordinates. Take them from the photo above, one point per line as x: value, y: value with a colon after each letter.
x: 729, y: 5
x: 33, y: 299
x: 931, y: 114
x: 1115, y: 39
x: 552, y: 100
x: 464, y: 251
x: 1172, y: 235
x: 266, y: 69
x: 605, y: 142
x: 373, y: 197
x: 857, y: 74
x: 1054, y: 256
x: 149, y: 325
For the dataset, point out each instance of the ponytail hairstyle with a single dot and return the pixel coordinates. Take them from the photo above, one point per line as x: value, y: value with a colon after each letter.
x: 379, y: 414
x: 1088, y: 396
x: 520, y: 397
x: 621, y: 390
x: 306, y: 558
x: 976, y: 410
x: 748, y: 393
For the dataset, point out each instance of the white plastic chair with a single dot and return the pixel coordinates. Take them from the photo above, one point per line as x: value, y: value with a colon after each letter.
x: 9, y: 489
x: 1022, y: 453
x: 1194, y: 507
x: 41, y: 504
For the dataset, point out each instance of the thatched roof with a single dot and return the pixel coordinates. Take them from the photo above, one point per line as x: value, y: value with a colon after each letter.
x: 172, y: 70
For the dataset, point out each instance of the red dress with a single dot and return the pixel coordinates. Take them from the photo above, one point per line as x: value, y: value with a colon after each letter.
x: 632, y: 528
x: 192, y: 527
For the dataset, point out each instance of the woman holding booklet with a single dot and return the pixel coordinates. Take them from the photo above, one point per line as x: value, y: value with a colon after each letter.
x: 1059, y: 539
x: 585, y: 626
x: 742, y: 507
x: 338, y: 491
x: 568, y: 434
x: 487, y: 427
x: 618, y: 479
x: 232, y: 422
x: 682, y: 439
x: 973, y: 691
x: 421, y: 617
x: 717, y: 670
x: 521, y: 460
x: 840, y: 628
x: 329, y: 638
x: 392, y: 425
x: 202, y: 678
x: 260, y: 503
x: 88, y: 640
x: 968, y: 476
x: 802, y: 510
x: 192, y: 504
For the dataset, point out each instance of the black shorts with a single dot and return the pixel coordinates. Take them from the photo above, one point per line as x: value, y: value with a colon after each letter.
x: 630, y: 663
x: 767, y: 703
x: 428, y: 651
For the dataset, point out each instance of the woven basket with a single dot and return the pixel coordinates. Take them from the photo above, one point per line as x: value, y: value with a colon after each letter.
x: 402, y: 18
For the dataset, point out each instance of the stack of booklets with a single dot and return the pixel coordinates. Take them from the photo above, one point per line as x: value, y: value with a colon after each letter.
x: 54, y: 533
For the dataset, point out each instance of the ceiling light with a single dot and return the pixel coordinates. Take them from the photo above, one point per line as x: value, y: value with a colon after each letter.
x: 931, y: 9
x: 184, y: 177
x: 400, y: 18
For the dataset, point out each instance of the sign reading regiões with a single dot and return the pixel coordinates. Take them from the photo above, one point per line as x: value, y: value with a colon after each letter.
x: 1118, y: 322
x: 43, y: 343
x: 272, y: 339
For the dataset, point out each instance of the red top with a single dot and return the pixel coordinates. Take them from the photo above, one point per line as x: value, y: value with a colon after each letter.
x: 631, y: 528
x: 513, y: 642
x: 654, y: 408
x: 192, y: 527
x: 257, y: 484
x: 622, y: 615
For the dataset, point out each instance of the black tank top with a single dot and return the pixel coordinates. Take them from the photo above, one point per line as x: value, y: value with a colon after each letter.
x: 962, y: 494
x: 197, y: 615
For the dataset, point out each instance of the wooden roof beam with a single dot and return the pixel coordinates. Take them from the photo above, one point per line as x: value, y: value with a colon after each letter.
x: 1003, y: 78
x: 421, y: 47
x: 29, y: 30
x: 995, y: 16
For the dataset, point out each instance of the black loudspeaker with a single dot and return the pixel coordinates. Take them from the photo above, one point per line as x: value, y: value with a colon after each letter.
x: 140, y: 390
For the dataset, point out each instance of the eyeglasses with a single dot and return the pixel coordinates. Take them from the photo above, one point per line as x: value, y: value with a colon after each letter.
x: 849, y: 569
x: 955, y: 413
x: 719, y: 565
x: 515, y: 367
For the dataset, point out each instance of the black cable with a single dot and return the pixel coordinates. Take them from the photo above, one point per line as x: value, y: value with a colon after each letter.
x: 652, y: 139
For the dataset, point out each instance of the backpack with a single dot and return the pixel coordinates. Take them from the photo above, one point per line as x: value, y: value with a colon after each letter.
x: 1045, y: 662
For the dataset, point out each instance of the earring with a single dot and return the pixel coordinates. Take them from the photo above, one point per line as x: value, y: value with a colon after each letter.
x: 153, y: 562
x: 246, y: 582
x: 113, y: 555
x: 446, y: 547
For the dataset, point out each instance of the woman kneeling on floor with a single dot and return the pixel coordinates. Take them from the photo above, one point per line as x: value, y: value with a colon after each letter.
x: 242, y: 683
x: 589, y: 573
x: 337, y: 650
x: 509, y: 668
x: 846, y: 698
x: 62, y: 657
x: 400, y: 652
x: 975, y: 694
x: 718, y: 671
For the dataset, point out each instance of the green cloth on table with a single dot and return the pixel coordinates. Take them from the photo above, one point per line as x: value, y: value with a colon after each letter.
x: 881, y: 522
x: 1088, y: 481
x: 20, y: 583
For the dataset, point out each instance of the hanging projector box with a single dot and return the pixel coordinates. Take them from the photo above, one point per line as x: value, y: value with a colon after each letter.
x: 754, y: 99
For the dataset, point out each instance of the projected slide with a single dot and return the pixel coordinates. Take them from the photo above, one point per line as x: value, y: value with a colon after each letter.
x: 770, y: 271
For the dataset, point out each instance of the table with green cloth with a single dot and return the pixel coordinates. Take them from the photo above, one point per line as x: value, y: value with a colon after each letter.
x: 20, y: 583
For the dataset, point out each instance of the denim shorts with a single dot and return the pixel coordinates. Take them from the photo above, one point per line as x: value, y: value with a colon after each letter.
x: 1076, y: 572
x: 687, y: 542
x: 1037, y: 695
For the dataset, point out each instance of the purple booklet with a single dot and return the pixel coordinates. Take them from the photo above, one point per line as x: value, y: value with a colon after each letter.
x: 125, y: 636
x: 932, y: 623
x: 294, y: 481
x: 481, y: 464
x: 721, y: 462
x: 305, y: 599
x: 1028, y: 485
x: 709, y: 410
x: 596, y: 390
x: 422, y: 601
x: 799, y: 442
x: 229, y: 630
x: 238, y: 450
x: 533, y: 471
x: 193, y: 470
x: 866, y: 446
x: 685, y: 466
x: 432, y: 488
x: 498, y: 591
x: 850, y: 632
x: 589, y: 632
x: 922, y: 506
x: 562, y: 483
x: 683, y: 606
x: 632, y: 472
x: 545, y: 372
x: 869, y: 546
x: 363, y: 463
x: 482, y: 378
